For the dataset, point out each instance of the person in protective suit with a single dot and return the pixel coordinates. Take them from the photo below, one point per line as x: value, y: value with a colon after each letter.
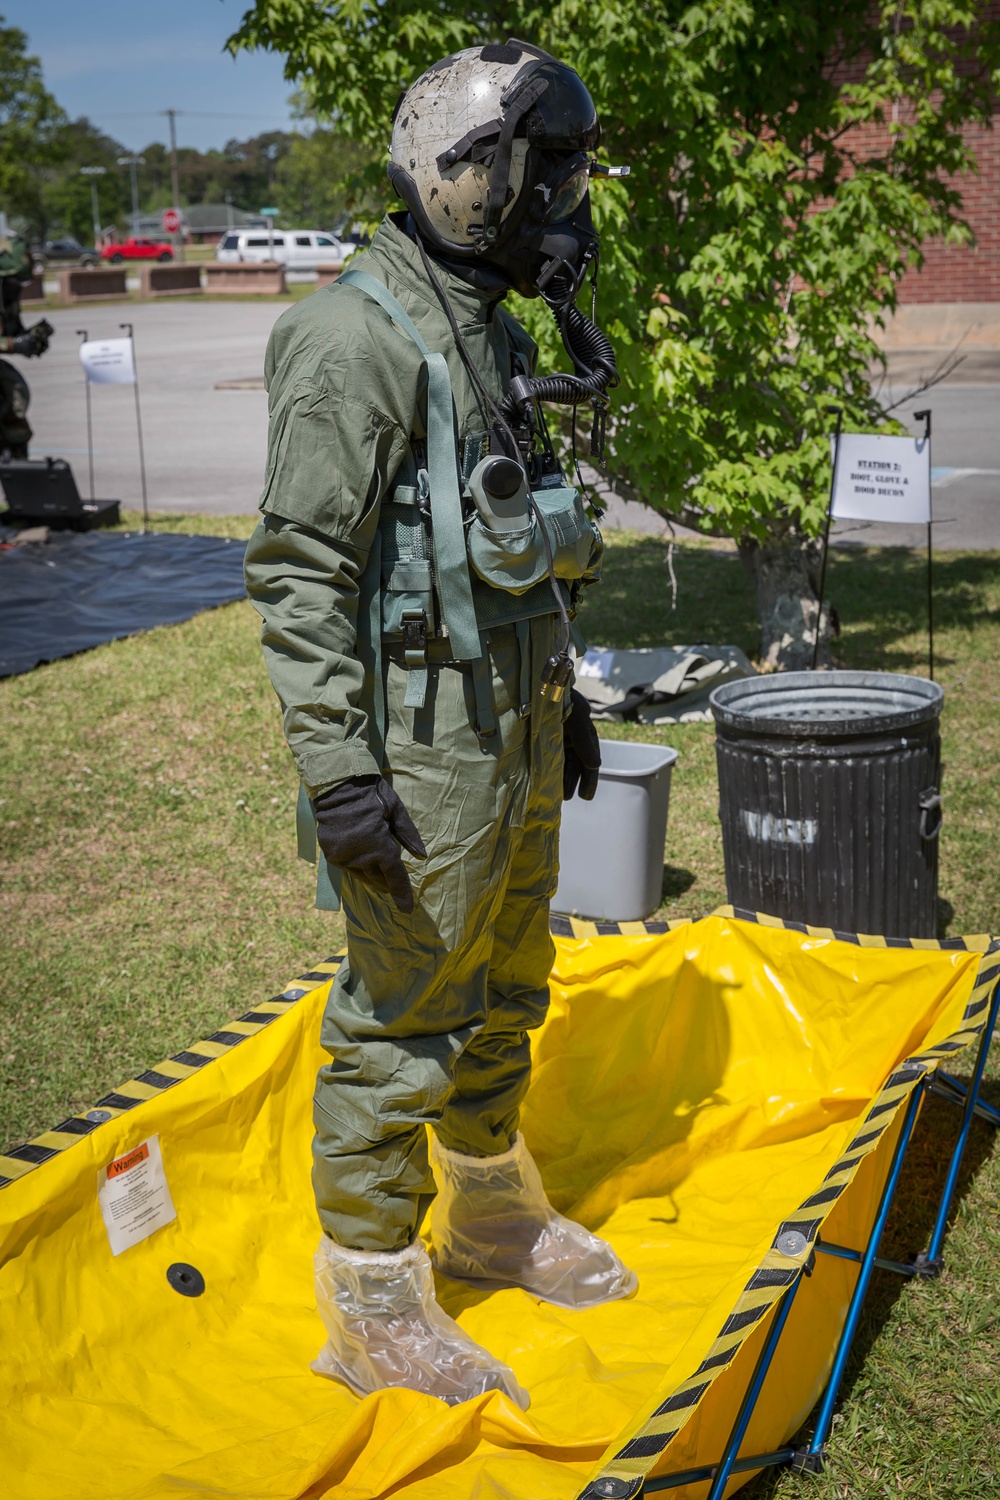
x: 15, y: 269
x: 416, y: 568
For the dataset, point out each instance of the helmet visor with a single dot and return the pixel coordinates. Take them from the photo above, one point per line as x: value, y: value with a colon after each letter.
x: 567, y: 197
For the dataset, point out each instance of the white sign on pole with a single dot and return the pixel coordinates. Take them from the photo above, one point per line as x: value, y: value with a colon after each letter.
x: 108, y: 361
x: 882, y: 479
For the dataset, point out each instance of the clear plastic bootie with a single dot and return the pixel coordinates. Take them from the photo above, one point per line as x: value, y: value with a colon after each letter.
x: 493, y: 1225
x: 385, y: 1328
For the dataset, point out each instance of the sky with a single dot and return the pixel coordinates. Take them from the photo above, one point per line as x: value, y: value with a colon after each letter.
x: 121, y: 61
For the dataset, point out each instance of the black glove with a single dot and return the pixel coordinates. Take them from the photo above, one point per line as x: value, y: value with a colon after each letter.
x: 582, y: 750
x: 34, y: 340
x: 360, y: 825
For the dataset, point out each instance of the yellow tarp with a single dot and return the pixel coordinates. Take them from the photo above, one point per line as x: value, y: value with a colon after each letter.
x: 691, y: 1091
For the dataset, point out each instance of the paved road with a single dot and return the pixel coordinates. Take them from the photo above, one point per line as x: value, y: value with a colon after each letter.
x: 205, y: 446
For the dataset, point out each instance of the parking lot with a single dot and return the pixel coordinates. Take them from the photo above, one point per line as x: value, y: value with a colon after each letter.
x: 204, y: 419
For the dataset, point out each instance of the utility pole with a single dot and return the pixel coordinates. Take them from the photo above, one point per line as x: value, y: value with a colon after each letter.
x: 171, y: 115
x: 93, y: 173
x: 132, y: 162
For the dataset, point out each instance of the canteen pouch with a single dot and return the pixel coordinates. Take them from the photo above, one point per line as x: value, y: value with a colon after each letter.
x: 408, y: 592
x: 515, y: 560
x: 407, y: 571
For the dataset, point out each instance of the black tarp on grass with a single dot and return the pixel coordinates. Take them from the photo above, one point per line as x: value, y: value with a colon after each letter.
x: 78, y: 590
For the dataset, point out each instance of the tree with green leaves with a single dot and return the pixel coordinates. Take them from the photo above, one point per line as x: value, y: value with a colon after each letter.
x: 65, y: 193
x: 30, y: 122
x: 325, y: 178
x: 789, y: 160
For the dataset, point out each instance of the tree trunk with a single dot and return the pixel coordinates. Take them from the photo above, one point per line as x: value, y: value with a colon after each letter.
x: 786, y: 579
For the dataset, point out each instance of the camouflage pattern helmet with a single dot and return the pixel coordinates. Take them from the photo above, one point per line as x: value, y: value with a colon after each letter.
x: 490, y: 136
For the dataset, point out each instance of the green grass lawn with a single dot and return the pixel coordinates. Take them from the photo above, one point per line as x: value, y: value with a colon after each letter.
x: 150, y: 891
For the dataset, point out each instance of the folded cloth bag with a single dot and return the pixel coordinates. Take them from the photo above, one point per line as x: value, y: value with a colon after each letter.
x: 657, y: 684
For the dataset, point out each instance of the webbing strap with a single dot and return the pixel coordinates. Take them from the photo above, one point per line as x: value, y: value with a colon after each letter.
x: 328, y: 878
x: 370, y: 606
x: 377, y: 290
x: 482, y: 687
x: 305, y: 827
x: 450, y: 558
x: 523, y: 632
x: 416, y: 687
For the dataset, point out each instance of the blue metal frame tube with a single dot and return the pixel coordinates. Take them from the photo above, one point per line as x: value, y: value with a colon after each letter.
x: 732, y: 1448
x: 842, y: 1252
x: 825, y: 1416
x: 701, y: 1476
x: 953, y: 1089
x: 968, y: 1115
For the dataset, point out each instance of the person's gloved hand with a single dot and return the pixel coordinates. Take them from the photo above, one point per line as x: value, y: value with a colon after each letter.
x: 582, y: 750
x: 31, y: 341
x: 26, y: 344
x: 360, y: 825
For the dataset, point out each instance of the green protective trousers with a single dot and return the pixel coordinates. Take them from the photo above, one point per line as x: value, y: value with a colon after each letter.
x: 428, y: 1018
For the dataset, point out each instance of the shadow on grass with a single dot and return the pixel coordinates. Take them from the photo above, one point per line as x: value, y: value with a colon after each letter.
x: 882, y: 599
x: 675, y: 882
x: 908, y: 1231
x: 880, y: 595
x: 633, y: 608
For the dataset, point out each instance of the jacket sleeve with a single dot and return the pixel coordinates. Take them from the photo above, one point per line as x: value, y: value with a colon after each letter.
x: 331, y: 457
x: 305, y: 588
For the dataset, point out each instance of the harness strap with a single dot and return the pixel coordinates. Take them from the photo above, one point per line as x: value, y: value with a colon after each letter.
x: 482, y: 687
x: 416, y: 687
x: 328, y: 878
x: 451, y: 560
x: 370, y: 641
x: 522, y: 630
x: 305, y: 827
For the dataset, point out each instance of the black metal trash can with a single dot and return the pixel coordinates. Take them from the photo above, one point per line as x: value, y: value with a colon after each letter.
x: 829, y: 795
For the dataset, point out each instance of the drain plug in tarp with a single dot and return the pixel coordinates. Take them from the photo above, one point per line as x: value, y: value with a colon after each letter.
x: 186, y: 1279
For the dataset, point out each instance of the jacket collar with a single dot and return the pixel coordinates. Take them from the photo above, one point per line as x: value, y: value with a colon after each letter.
x: 397, y: 257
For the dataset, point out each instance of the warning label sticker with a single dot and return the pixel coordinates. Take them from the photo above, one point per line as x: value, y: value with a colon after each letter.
x: 134, y: 1196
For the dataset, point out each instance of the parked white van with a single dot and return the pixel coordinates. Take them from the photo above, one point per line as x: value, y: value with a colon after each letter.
x: 298, y: 249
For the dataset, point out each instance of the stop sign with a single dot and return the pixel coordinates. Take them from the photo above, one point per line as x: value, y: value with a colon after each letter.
x: 171, y: 220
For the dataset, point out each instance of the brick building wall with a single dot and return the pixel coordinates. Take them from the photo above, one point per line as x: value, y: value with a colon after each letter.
x: 961, y: 273
x: 953, y: 273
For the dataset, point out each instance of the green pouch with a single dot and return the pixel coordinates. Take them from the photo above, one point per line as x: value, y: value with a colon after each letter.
x: 407, y: 591
x: 516, y: 560
x: 509, y: 560
x: 407, y: 571
x: 573, y: 537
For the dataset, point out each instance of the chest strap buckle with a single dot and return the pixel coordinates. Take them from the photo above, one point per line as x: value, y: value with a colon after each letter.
x: 415, y: 639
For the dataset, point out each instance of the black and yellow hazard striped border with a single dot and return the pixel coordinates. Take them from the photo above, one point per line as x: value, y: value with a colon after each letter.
x: 622, y: 1476
x: 19, y: 1160
x: 580, y: 928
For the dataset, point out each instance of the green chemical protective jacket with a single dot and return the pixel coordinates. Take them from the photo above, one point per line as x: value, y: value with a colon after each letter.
x: 348, y: 405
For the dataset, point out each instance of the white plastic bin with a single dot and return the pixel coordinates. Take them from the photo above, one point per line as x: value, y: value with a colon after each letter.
x: 611, y: 849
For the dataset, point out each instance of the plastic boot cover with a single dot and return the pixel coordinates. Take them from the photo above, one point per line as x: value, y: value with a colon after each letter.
x: 385, y: 1328
x: 492, y: 1224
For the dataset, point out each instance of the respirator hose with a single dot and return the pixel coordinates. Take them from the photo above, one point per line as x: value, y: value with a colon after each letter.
x: 593, y: 357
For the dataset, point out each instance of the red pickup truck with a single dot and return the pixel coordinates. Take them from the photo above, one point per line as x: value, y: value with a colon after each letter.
x: 137, y: 250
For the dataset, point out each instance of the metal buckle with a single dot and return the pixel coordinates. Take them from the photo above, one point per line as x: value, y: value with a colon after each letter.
x: 415, y: 639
